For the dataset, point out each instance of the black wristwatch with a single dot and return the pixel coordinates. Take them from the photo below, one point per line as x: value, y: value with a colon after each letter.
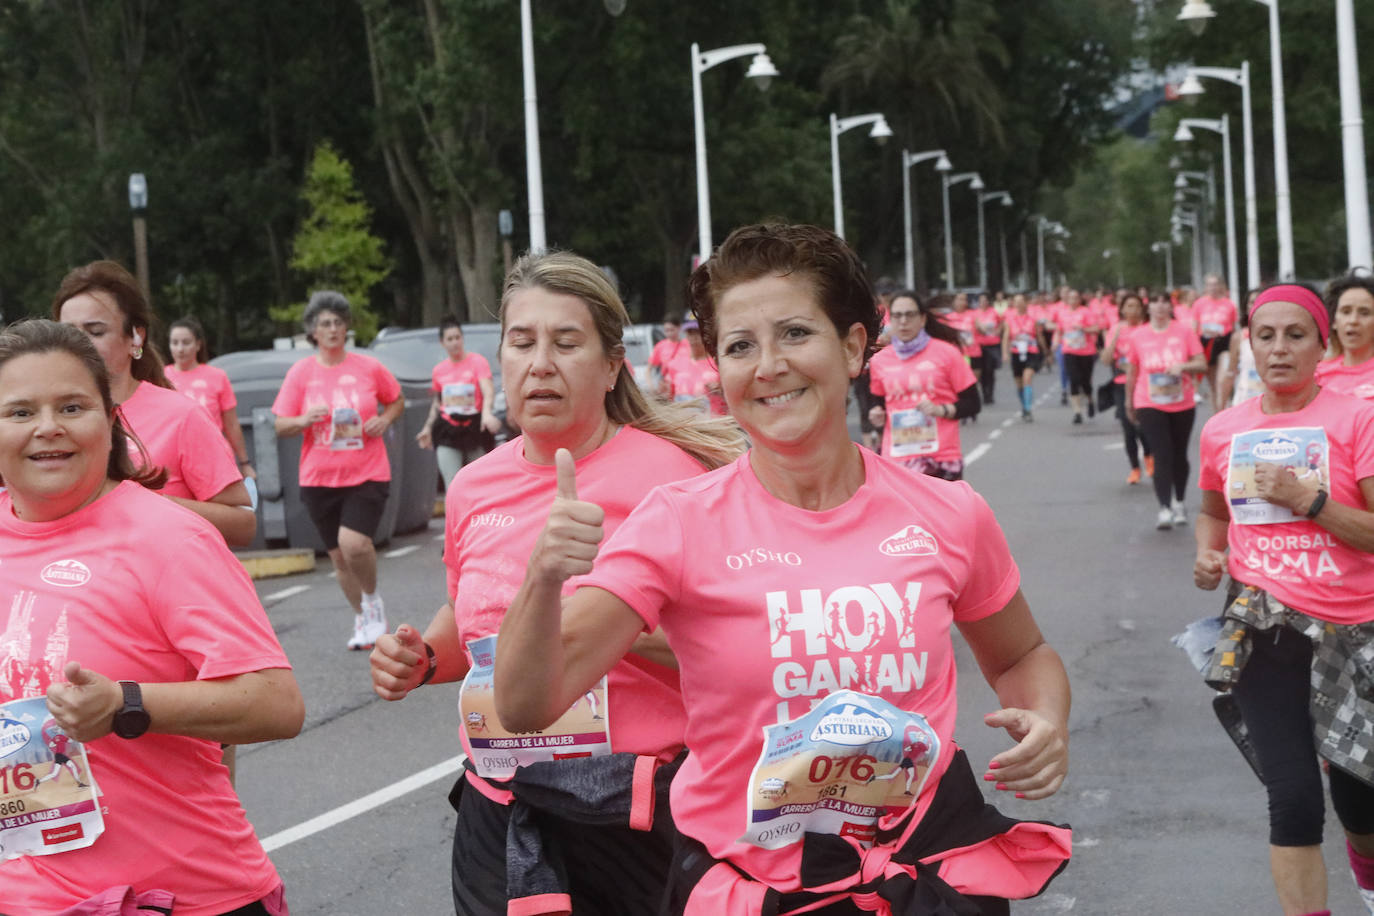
x: 132, y: 719
x: 1315, y: 509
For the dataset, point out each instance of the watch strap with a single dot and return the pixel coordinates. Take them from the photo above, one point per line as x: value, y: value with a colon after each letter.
x: 1316, y: 507
x: 432, y: 665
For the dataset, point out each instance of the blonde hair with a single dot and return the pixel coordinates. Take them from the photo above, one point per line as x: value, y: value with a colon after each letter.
x: 713, y: 441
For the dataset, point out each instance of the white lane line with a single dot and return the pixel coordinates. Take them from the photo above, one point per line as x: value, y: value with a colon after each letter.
x: 1007, y: 422
x: 978, y: 452
x: 1113, y: 445
x: 437, y: 537
x: 362, y: 805
x: 994, y: 435
x: 401, y: 551
x: 285, y: 593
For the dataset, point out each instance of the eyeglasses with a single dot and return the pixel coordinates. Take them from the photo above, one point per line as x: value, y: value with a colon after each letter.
x: 327, y: 323
x: 905, y: 316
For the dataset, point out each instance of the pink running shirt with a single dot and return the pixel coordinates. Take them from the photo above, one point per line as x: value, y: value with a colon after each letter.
x: 335, y: 452
x: 1121, y: 351
x: 458, y: 385
x: 207, y: 385
x: 963, y: 323
x: 181, y: 437
x: 495, y: 509
x: 1021, y: 337
x: 666, y: 352
x: 1356, y: 381
x: 1214, y: 317
x: 697, y: 380
x: 987, y: 327
x: 1078, y: 329
x: 769, y: 608
x: 938, y: 372
x: 1153, y: 353
x: 1299, y: 562
x: 95, y: 587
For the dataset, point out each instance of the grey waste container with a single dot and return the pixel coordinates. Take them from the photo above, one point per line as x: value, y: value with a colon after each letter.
x: 256, y: 376
x: 414, y: 470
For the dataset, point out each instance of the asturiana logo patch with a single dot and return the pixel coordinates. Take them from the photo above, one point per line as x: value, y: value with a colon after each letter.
x: 14, y: 735
x: 66, y: 573
x: 851, y: 726
x: 1276, y: 448
x: 911, y: 541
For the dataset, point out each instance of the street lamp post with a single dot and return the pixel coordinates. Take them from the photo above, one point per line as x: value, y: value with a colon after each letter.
x: 908, y: 160
x: 138, y: 202
x: 1206, y: 199
x: 1192, y: 87
x: 1188, y: 218
x: 982, y: 239
x: 1168, y: 249
x: 880, y: 132
x: 1041, y: 224
x: 762, y: 71
x: 1220, y: 126
x: 976, y: 184
x: 1357, y: 233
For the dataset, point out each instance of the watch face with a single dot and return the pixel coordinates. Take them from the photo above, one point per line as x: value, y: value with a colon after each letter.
x: 130, y: 723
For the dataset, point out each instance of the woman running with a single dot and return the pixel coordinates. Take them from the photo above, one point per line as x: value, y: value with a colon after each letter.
x: 104, y: 300
x: 1023, y: 348
x: 1215, y: 316
x: 585, y: 804
x: 792, y: 720
x: 1114, y: 355
x: 334, y: 398
x: 1076, y: 335
x: 1350, y: 303
x: 1294, y: 645
x: 1161, y: 356
x: 1241, y: 381
x: 695, y: 381
x: 207, y: 385
x: 922, y: 387
x: 987, y: 333
x: 961, y: 318
x: 146, y: 636
x: 461, y: 422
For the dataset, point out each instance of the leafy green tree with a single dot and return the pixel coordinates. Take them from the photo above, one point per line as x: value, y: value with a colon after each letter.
x: 334, y: 247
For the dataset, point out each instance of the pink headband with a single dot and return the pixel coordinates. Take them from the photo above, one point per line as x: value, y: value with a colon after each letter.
x: 1301, y: 297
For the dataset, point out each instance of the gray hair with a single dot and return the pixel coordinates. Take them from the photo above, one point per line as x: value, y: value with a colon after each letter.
x: 325, y: 300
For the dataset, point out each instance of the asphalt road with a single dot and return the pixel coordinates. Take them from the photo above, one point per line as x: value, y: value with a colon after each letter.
x: 1167, y: 818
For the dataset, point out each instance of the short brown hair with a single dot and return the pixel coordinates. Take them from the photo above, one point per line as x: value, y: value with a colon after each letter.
x: 111, y: 278
x: 843, y: 289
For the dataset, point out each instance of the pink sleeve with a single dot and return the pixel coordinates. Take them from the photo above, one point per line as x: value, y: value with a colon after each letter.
x: 434, y: 385
x: 388, y: 389
x: 875, y: 381
x: 288, y: 400
x: 642, y: 563
x: 993, y: 576
x: 1208, y: 448
x: 210, y: 612
x: 483, y: 367
x: 960, y: 375
x: 206, y: 462
x: 1363, y: 459
x: 1194, y: 343
x: 227, y: 401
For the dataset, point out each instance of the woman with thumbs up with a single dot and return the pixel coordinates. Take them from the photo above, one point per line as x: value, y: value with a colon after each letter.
x: 149, y: 658
x: 807, y: 591
x: 585, y: 799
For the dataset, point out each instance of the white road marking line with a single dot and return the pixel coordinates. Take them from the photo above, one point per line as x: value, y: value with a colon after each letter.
x: 994, y: 435
x: 362, y: 805
x: 401, y: 551
x: 285, y: 593
x: 437, y: 537
x: 1113, y: 445
x: 978, y: 452
x: 1007, y: 422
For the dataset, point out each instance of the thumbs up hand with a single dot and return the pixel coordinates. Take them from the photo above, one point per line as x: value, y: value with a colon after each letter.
x: 569, y: 542
x: 85, y: 705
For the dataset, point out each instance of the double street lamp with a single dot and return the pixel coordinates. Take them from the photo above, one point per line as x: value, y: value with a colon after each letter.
x: 983, y: 198
x: 1184, y: 134
x: 880, y: 132
x: 975, y: 184
x: 908, y: 160
x: 761, y: 71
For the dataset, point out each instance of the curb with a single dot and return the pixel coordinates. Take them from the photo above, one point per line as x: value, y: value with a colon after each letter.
x: 265, y: 564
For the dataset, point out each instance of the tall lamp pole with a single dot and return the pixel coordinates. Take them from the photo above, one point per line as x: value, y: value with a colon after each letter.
x: 1221, y: 126
x: 908, y: 160
x: 138, y: 202
x: 880, y: 132
x: 982, y: 236
x: 1168, y: 249
x: 976, y: 184
x: 1359, y: 248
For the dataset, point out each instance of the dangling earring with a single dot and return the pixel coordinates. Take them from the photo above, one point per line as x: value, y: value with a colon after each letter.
x: 138, y: 353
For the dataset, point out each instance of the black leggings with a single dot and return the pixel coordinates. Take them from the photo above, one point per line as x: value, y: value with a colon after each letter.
x: 1273, y: 696
x: 1168, y: 432
x: 1128, y: 429
x: 988, y: 364
x: 1080, y: 369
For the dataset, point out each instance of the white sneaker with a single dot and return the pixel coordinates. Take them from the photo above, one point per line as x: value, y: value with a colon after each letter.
x: 1367, y: 897
x: 359, y: 638
x: 1165, y: 520
x: 374, y: 621
x: 1178, y: 513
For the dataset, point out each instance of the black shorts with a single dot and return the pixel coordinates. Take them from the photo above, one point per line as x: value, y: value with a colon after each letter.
x: 1214, y: 347
x: 1020, y: 364
x: 358, y: 508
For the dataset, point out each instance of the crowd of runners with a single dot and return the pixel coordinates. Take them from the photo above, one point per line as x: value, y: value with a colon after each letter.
x: 659, y: 713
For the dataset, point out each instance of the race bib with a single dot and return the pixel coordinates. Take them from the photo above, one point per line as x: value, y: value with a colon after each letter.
x: 1165, y: 388
x: 346, y: 430
x: 47, y: 793
x: 913, y: 433
x: 1303, y: 451
x: 1248, y: 385
x: 582, y: 731
x: 1075, y: 339
x: 458, y: 399
x: 837, y: 769
x: 1022, y: 343
x: 966, y: 336
x: 1212, y: 329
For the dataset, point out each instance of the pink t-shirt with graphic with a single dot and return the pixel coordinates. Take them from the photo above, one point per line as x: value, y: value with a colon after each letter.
x: 1214, y: 317
x: 1186, y: 315
x: 666, y: 352
x: 963, y: 323
x: 1154, y: 353
x: 1301, y: 563
x: 769, y: 607
x: 1021, y: 336
x: 181, y: 437
x: 1121, y: 349
x: 939, y: 372
x: 335, y: 451
x: 1357, y: 381
x: 987, y: 327
x: 207, y: 385
x: 698, y: 380
x: 459, y: 386
x: 495, y: 509
x: 1078, y: 329
x: 94, y: 587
